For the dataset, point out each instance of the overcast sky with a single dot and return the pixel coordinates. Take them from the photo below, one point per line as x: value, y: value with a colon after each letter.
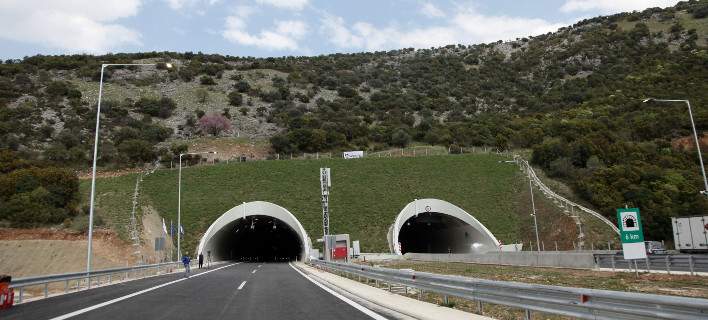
x: 281, y: 27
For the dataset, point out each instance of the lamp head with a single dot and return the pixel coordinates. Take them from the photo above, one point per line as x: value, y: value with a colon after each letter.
x: 168, y: 65
x: 647, y: 100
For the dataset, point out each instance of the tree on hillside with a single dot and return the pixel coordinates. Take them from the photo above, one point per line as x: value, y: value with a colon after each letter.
x: 400, y: 138
x: 214, y: 124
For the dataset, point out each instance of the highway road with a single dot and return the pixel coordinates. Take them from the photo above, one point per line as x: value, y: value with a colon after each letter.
x: 229, y: 291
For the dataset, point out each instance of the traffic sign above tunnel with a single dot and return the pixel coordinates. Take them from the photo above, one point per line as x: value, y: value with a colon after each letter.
x: 437, y: 226
x: 255, y: 230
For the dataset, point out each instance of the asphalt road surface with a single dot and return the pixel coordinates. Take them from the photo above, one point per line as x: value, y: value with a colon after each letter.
x: 230, y: 291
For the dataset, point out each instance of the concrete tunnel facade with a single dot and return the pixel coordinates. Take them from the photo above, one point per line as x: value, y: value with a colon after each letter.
x: 258, y: 230
x: 437, y: 226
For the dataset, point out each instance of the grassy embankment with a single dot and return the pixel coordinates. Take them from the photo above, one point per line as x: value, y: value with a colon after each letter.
x: 367, y: 194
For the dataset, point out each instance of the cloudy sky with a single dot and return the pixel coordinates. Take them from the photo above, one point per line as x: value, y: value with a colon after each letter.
x: 281, y: 27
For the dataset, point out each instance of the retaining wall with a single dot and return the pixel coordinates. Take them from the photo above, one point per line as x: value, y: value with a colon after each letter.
x: 558, y: 259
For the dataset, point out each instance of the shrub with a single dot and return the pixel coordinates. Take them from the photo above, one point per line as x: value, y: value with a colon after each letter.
x: 162, y: 107
x: 207, y: 81
x: 242, y: 86
x: 137, y: 151
x: 235, y: 99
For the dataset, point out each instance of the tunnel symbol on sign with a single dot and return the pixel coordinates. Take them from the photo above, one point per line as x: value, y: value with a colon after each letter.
x: 427, y: 208
x: 629, y: 222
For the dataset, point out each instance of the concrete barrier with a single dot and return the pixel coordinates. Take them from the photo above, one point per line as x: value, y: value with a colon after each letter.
x: 557, y: 259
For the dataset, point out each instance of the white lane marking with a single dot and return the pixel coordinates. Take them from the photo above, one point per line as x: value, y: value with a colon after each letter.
x: 341, y: 297
x: 254, y: 270
x: 242, y: 284
x: 109, y: 302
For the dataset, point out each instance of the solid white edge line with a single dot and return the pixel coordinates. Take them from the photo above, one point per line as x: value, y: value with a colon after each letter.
x: 341, y: 297
x: 109, y: 302
x: 242, y: 284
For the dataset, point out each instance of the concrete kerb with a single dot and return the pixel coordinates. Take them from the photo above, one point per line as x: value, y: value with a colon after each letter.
x: 385, y: 302
x: 683, y: 273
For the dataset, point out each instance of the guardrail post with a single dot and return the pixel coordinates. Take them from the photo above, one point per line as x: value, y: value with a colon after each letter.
x: 690, y: 263
x: 110, y: 278
x: 46, y: 289
x: 22, y: 293
x: 668, y: 269
x: 446, y: 301
x: 66, y: 286
x: 479, y: 307
x: 527, y: 314
x: 613, y: 262
x: 647, y: 261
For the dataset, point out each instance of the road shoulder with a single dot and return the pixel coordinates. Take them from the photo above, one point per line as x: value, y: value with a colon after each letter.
x: 391, y: 304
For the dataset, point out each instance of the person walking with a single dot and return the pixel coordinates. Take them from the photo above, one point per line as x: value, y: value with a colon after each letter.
x: 186, y: 261
x: 201, y: 260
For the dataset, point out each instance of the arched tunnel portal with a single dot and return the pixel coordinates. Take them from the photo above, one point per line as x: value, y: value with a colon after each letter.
x: 256, y: 231
x: 437, y: 226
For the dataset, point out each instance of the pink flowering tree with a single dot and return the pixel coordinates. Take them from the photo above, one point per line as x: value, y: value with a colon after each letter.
x: 214, y: 124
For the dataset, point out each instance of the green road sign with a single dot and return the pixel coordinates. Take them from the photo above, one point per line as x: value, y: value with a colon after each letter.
x: 630, y: 225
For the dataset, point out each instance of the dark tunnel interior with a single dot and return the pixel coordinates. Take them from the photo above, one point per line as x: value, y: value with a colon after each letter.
x: 433, y: 232
x: 257, y: 238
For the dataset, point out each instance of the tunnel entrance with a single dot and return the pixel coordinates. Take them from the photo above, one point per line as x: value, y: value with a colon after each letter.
x: 257, y: 238
x: 433, y: 232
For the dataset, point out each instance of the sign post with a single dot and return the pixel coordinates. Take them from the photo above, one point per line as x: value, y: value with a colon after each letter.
x: 630, y: 225
x: 325, y: 184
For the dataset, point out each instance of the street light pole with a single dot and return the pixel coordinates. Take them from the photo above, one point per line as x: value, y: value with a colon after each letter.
x: 695, y: 137
x: 95, y: 157
x: 179, y: 200
x: 533, y: 207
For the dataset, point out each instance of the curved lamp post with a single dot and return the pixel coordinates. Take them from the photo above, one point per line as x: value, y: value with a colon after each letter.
x: 179, y: 200
x: 695, y: 137
x: 95, y: 154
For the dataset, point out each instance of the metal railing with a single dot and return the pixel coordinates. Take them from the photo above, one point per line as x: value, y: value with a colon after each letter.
x: 107, y: 275
x: 565, y: 301
x: 560, y: 200
x: 656, y: 262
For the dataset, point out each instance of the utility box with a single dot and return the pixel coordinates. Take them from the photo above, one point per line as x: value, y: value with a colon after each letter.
x: 337, y: 247
x: 690, y: 233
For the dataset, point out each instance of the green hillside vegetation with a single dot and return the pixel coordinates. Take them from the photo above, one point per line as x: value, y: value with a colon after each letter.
x: 367, y: 195
x: 572, y: 96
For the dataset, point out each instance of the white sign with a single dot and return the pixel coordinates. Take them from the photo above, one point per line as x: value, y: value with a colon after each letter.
x: 353, y: 154
x: 356, y: 249
x: 325, y: 180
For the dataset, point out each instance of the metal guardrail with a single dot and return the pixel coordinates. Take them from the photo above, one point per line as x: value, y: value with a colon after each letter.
x: 107, y: 274
x: 656, y: 262
x: 565, y: 301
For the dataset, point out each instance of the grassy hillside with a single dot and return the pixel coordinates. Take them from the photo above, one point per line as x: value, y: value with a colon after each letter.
x: 367, y: 194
